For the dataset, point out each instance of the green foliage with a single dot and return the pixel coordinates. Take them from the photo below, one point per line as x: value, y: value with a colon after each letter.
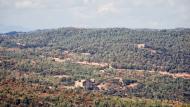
x: 117, y: 45
x: 30, y: 55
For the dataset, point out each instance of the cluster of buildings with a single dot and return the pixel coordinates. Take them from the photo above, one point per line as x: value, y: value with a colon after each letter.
x: 116, y: 86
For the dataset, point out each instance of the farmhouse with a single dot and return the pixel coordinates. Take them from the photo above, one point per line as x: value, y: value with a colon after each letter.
x: 79, y: 83
x: 88, y: 84
x: 140, y: 45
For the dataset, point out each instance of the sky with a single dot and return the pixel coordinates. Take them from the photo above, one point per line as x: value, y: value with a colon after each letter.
x: 43, y: 14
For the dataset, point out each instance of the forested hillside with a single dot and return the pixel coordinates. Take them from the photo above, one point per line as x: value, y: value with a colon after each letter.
x: 140, y: 49
x: 112, y: 67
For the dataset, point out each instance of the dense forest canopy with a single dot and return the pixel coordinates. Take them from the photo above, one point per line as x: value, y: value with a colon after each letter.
x: 147, y: 49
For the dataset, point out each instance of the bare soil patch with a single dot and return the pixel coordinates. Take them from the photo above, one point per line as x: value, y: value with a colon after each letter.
x: 176, y: 75
x: 60, y: 60
x: 133, y: 85
x: 93, y: 64
x: 9, y: 49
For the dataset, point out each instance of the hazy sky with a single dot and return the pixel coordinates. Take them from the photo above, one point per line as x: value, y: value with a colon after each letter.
x: 35, y: 14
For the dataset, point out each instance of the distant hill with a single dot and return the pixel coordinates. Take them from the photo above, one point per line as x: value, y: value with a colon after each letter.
x: 5, y: 28
x: 158, y: 49
x: 12, y: 33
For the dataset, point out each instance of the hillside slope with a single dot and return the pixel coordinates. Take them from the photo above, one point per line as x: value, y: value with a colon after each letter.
x: 147, y: 49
